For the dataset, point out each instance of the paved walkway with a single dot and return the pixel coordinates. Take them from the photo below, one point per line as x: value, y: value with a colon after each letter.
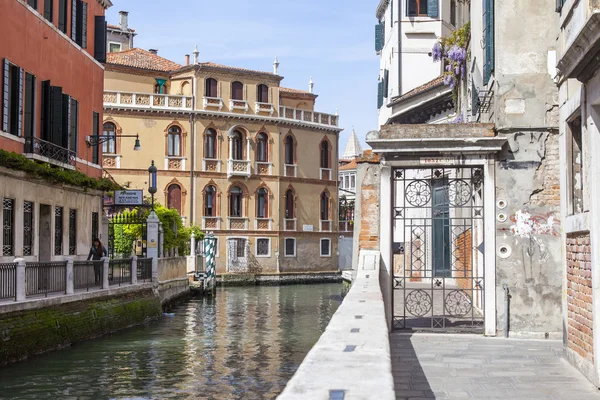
x: 469, y: 366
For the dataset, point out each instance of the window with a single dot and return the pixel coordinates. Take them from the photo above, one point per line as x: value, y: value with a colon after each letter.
x: 261, y: 203
x: 95, y: 224
x: 237, y: 91
x: 262, y: 148
x: 422, y: 8
x: 99, y: 38
x: 28, y: 228
x: 58, y: 230
x: 353, y: 181
x: 33, y: 4
x: 237, y: 150
x: 289, y: 150
x: 12, y: 99
x: 62, y: 15
x: 109, y: 129
x: 290, y: 247
x: 79, y: 22
x: 289, y: 204
x: 95, y: 128
x: 324, y: 206
x: 48, y: 9
x: 174, y: 141
x: 577, y: 166
x: 237, y: 247
x: 211, y: 88
x: 72, y: 232
x: 174, y: 197
x: 161, y: 86
x: 114, y: 47
x: 8, y: 225
x: 453, y: 12
x: 262, y: 95
x: 346, y: 182
x: 263, y: 247
x: 325, y: 247
x: 210, y: 144
x: 210, y: 201
x: 324, y: 154
x: 235, y: 202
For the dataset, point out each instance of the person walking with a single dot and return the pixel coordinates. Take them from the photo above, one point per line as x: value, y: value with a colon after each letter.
x: 96, y: 253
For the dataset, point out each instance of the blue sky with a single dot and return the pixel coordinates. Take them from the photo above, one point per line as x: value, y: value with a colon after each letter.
x: 330, y: 40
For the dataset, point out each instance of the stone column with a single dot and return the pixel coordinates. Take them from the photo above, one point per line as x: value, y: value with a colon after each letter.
x: 161, y: 242
x: 152, y: 240
x: 21, y: 284
x: 193, y: 245
x: 70, y: 283
x: 104, y: 229
x: 105, y: 266
x: 134, y: 267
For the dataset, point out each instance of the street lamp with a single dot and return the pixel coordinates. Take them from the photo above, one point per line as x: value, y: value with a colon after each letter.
x: 152, y: 181
x: 95, y: 140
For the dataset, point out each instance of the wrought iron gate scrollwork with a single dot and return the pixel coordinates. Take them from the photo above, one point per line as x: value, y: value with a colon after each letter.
x: 437, y: 249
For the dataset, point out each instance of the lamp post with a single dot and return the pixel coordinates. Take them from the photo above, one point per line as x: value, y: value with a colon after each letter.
x: 152, y: 182
x: 95, y: 140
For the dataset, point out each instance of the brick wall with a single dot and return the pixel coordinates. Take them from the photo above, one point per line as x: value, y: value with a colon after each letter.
x: 549, y: 175
x: 463, y: 260
x: 579, y: 296
x: 369, y: 211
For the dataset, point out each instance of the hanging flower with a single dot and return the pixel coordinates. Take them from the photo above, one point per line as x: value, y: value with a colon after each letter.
x: 437, y: 52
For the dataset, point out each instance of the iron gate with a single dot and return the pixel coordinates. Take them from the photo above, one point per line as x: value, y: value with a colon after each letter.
x: 437, y: 248
x: 127, y: 234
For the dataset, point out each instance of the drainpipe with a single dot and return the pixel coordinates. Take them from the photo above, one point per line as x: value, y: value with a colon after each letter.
x: 506, y: 304
x: 192, y: 164
x: 399, y: 27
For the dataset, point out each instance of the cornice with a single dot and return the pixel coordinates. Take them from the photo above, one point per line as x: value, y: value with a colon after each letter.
x: 383, y: 5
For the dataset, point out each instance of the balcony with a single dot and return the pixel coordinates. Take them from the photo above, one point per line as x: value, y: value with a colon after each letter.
x: 147, y: 101
x: 289, y: 225
x: 241, y: 105
x: 326, y: 226
x: 211, y: 165
x: 306, y: 116
x: 290, y: 170
x: 346, y: 226
x: 51, y: 153
x: 209, y: 223
x: 237, y: 223
x: 264, y: 107
x: 325, y: 174
x: 212, y: 102
x: 263, y: 224
x: 238, y: 168
x: 263, y: 168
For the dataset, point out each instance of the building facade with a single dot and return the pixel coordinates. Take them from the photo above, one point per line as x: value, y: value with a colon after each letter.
x: 238, y: 155
x: 52, y: 77
x: 120, y: 37
x: 579, y: 99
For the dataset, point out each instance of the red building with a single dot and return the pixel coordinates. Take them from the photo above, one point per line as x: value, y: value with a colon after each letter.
x: 51, y: 55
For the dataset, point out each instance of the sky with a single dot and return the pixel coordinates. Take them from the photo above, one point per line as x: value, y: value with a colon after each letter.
x: 330, y: 40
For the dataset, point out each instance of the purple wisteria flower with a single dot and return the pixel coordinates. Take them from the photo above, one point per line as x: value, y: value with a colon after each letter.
x: 437, y: 52
x: 449, y: 80
x: 457, y: 54
x: 459, y: 119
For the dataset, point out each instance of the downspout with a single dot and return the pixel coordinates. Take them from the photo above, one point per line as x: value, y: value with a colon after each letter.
x: 399, y: 28
x: 506, y: 309
x: 193, y: 153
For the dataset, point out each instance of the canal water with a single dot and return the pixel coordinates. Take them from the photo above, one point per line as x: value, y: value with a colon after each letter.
x: 245, y: 343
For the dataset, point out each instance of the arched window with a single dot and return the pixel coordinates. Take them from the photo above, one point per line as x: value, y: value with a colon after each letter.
x: 262, y: 94
x: 211, y: 88
x: 237, y: 91
x: 324, y: 154
x: 210, y: 144
x: 262, y: 152
x: 109, y: 129
x: 289, y: 150
x: 324, y: 206
x: 174, y: 197
x: 262, y: 198
x: 237, y: 146
x: 210, y: 201
x: 235, y: 202
x: 289, y: 204
x: 174, y: 141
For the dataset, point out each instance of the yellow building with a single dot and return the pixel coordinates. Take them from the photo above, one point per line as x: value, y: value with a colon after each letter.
x: 237, y: 154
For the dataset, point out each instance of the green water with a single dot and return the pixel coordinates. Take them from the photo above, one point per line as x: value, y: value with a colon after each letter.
x: 246, y: 343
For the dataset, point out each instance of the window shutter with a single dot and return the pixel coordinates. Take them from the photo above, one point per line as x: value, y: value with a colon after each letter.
x: 32, y: 4
x: 20, y: 105
x: 380, y: 95
x: 84, y: 20
x: 379, y: 32
x: 559, y: 5
x: 488, y: 18
x: 432, y: 8
x: 5, y: 95
x: 66, y: 105
x: 392, y: 13
x: 74, y: 20
x: 474, y: 99
x: 100, y: 39
x: 46, y: 112
x: 95, y: 130
x: 73, y: 129
x: 62, y: 15
x: 386, y: 77
x: 56, y: 114
x: 48, y: 7
x: 29, y: 104
x: 411, y: 8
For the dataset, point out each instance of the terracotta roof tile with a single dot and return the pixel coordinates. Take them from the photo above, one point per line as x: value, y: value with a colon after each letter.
x: 369, y: 157
x: 420, y: 89
x: 290, y: 90
x: 118, y: 27
x: 140, y: 58
x: 351, y: 165
x: 227, y: 67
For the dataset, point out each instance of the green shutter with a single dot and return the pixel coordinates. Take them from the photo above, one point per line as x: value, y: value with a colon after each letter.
x: 386, y: 78
x: 432, y: 8
x: 474, y: 99
x: 95, y: 131
x: 380, y: 95
x: 379, y: 36
x: 488, y: 35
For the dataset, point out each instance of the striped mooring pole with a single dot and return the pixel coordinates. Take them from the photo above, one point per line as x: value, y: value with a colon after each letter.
x: 210, y: 251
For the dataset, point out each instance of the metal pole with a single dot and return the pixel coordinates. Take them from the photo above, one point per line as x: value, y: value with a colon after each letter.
x: 506, y: 303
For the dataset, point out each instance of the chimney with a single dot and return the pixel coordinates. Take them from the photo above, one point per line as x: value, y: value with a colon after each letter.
x: 311, y: 85
x: 187, y: 59
x: 196, y: 54
x: 276, y: 66
x: 153, y: 51
x: 123, y: 17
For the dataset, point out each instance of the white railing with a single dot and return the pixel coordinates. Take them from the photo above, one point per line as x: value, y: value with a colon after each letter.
x: 346, y: 226
x: 238, y: 168
x: 308, y: 116
x: 290, y: 170
x: 263, y: 168
x: 148, y: 100
x: 209, y: 223
x: 238, y: 105
x: 289, y: 225
x: 262, y: 224
x: 211, y: 165
x: 326, y: 225
x: 237, y: 223
x: 325, y: 174
x: 215, y: 102
x: 264, y: 107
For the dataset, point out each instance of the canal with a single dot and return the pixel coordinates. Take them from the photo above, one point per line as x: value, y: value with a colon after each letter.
x: 245, y: 343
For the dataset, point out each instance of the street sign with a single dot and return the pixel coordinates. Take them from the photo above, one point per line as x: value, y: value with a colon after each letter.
x: 129, y: 197
x: 308, y: 228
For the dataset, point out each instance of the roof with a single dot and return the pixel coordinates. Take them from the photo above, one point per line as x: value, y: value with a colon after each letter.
x: 110, y: 26
x: 230, y: 68
x: 351, y: 165
x: 369, y: 157
x: 353, y: 148
x: 140, y: 58
x: 290, y: 90
x: 439, y: 81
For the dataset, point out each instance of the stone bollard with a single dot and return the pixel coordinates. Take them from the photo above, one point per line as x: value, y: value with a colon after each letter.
x: 134, y: 268
x: 70, y: 283
x: 105, y: 267
x: 21, y: 283
x: 153, y: 243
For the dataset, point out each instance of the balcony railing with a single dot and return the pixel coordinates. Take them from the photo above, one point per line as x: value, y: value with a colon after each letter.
x: 238, y: 168
x: 238, y: 105
x: 212, y: 102
x: 290, y: 170
x: 87, y: 274
x: 148, y: 100
x: 211, y: 165
x: 346, y: 226
x: 325, y: 174
x: 289, y: 225
x: 264, y: 107
x: 49, y: 151
x: 326, y: 226
x: 209, y: 223
x: 237, y: 223
x: 263, y: 168
x: 312, y: 117
x: 44, y: 278
x: 261, y: 224
x: 119, y: 272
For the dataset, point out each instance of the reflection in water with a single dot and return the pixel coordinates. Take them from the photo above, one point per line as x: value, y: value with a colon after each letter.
x: 246, y: 343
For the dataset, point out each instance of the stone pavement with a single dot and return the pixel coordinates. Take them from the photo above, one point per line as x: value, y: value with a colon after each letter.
x: 471, y: 366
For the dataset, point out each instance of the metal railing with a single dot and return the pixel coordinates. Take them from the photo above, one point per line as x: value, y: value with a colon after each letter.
x: 119, y: 272
x: 87, y: 274
x: 8, y: 280
x: 45, y: 277
x: 49, y: 150
x: 147, y: 100
x: 144, y: 270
